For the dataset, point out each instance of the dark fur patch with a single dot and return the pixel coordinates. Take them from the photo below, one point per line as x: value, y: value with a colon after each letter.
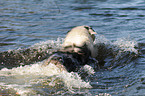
x: 71, y: 61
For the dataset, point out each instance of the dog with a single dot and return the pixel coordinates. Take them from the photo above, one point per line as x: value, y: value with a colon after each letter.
x: 80, y: 37
x: 77, y: 50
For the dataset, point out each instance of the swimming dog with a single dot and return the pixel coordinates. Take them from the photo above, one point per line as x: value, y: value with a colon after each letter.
x: 77, y: 49
x: 80, y: 37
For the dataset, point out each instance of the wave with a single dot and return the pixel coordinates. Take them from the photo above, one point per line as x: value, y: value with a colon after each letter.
x: 33, y: 54
x: 22, y: 71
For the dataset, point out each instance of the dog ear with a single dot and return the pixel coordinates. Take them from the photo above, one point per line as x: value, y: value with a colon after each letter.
x: 91, y: 31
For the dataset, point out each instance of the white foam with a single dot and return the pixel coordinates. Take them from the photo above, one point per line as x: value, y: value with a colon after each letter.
x: 89, y: 69
x: 54, y: 44
x: 122, y: 44
x: 35, y: 69
x: 101, y: 39
x: 73, y: 80
x: 23, y: 78
x: 125, y: 44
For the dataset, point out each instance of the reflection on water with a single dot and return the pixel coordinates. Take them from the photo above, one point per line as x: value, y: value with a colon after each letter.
x: 25, y: 23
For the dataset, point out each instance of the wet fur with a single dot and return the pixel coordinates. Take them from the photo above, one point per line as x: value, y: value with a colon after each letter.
x: 78, y: 37
x: 77, y: 50
x: 67, y: 61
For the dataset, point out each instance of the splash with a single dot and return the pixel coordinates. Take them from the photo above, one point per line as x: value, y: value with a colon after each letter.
x: 22, y: 79
x: 126, y: 44
x: 30, y: 79
x: 33, y: 54
x: 44, y: 45
x: 116, y: 53
x: 121, y: 44
x: 73, y: 80
x: 101, y: 39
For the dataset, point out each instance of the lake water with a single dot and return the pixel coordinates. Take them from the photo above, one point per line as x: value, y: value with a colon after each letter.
x: 30, y: 30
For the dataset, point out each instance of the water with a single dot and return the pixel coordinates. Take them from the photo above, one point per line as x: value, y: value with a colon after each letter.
x: 30, y: 30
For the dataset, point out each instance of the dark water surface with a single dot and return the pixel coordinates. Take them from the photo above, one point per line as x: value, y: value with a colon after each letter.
x: 30, y: 30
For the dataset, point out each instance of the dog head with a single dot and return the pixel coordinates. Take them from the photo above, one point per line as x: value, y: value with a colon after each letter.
x: 84, y: 28
x: 80, y: 38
